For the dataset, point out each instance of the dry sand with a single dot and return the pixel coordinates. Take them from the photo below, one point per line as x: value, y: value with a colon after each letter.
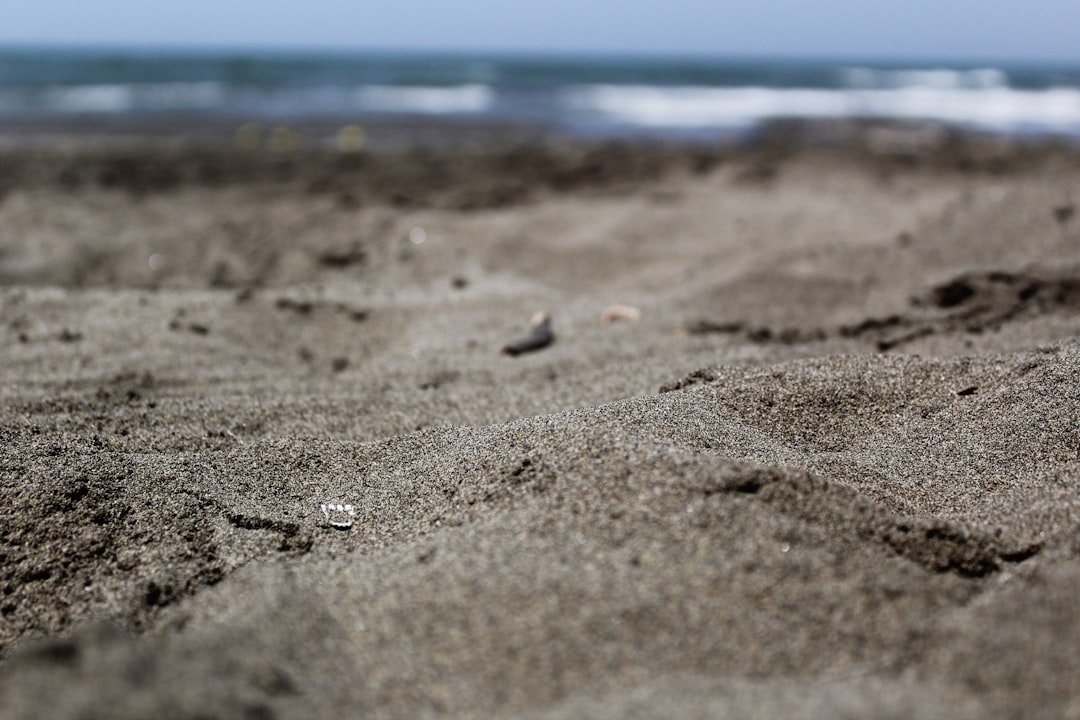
x: 832, y: 470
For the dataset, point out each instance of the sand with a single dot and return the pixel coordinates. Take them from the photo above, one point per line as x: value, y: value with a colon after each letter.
x: 832, y: 470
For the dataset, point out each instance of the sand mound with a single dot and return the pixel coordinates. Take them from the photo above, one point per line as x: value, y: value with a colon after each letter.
x: 830, y: 470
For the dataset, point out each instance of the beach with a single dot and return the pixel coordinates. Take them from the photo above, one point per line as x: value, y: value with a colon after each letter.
x: 806, y: 441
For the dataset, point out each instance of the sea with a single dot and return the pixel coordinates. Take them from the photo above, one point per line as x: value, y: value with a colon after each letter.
x: 584, y: 95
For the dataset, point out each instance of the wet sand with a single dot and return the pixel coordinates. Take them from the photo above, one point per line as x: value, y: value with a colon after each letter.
x: 832, y: 470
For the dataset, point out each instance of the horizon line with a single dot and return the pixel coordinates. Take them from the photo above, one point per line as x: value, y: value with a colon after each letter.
x: 525, y: 53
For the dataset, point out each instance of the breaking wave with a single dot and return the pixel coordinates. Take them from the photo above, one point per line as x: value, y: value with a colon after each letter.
x: 994, y: 107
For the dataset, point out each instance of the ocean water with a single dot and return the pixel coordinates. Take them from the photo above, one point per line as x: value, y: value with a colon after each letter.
x: 585, y: 95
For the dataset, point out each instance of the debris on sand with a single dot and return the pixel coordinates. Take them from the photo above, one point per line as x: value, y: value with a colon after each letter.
x: 540, y: 337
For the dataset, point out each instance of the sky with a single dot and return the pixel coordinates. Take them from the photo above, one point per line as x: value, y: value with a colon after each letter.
x: 1033, y: 30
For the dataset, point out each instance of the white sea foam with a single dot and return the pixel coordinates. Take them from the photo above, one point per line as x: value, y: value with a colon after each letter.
x: 88, y: 98
x: 998, y: 108
x: 118, y: 98
x: 701, y: 106
x: 1056, y: 108
x: 471, y: 98
x: 938, y: 78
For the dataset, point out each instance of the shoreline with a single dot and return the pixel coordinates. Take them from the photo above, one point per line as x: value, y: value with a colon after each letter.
x: 472, y: 165
x: 397, y: 133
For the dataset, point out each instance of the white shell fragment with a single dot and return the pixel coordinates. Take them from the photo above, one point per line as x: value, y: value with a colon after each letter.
x: 338, y: 515
x: 620, y: 312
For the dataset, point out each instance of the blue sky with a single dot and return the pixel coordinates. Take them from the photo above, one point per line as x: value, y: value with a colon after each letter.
x: 913, y: 29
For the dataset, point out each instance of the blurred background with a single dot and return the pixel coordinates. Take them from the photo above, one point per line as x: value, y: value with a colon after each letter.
x: 667, y: 69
